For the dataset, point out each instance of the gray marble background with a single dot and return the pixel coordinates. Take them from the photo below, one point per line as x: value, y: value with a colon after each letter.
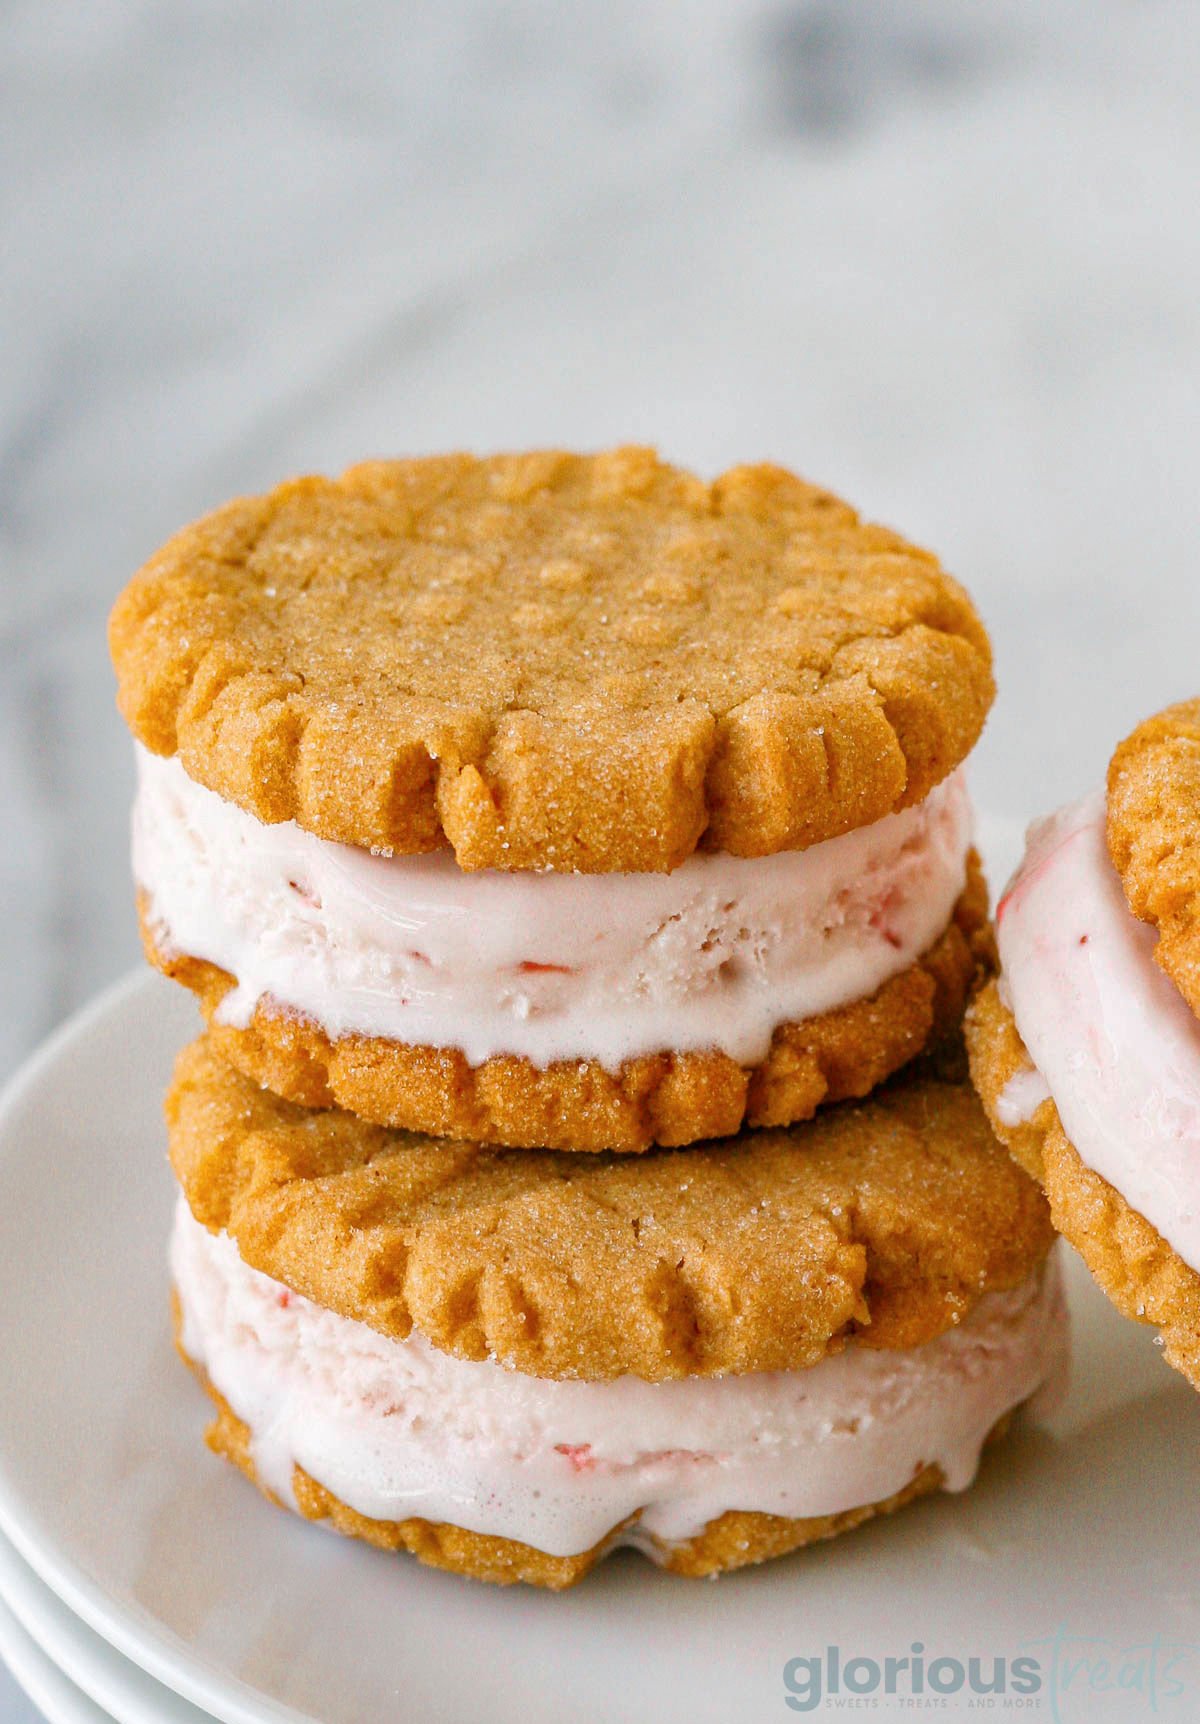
x: 941, y: 256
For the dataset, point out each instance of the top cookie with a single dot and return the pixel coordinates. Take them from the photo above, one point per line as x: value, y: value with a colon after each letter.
x: 1154, y: 836
x: 885, y: 1221
x: 580, y: 663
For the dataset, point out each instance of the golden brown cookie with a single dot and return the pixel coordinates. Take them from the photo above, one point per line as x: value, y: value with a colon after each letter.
x: 884, y: 1221
x: 582, y: 663
x: 669, y: 1099
x: 1143, y: 1276
x: 1154, y: 836
x: 734, y: 1540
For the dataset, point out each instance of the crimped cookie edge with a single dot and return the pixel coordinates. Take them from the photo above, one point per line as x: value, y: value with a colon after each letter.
x: 897, y: 708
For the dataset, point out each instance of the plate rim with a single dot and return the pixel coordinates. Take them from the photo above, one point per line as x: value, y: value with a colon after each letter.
x: 147, y: 1643
x: 27, y: 1598
x: 38, y: 1675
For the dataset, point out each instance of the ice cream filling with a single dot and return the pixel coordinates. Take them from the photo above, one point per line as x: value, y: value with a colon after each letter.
x: 396, y: 1429
x: 1110, y: 1037
x: 547, y: 966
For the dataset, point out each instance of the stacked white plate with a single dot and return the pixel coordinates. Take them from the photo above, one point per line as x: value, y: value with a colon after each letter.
x: 143, y: 1579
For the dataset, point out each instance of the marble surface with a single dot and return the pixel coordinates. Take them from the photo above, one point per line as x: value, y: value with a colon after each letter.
x: 943, y: 258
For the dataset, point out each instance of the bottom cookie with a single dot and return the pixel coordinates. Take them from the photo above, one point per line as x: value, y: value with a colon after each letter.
x: 576, y: 1105
x: 733, y: 1540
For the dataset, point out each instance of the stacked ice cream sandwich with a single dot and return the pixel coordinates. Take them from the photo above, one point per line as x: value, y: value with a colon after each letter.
x: 573, y: 863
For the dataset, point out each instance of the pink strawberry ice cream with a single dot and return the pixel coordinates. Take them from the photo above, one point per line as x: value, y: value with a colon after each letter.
x: 398, y: 1429
x: 547, y: 966
x: 1110, y: 1038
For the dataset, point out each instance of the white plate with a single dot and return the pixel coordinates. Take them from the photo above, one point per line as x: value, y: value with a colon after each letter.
x: 1089, y: 1531
x: 121, y: 1688
x: 41, y: 1678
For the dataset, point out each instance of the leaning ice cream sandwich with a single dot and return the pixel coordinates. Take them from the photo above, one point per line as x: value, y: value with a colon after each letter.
x: 1086, y: 1053
x: 557, y: 801
x: 510, y: 1362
